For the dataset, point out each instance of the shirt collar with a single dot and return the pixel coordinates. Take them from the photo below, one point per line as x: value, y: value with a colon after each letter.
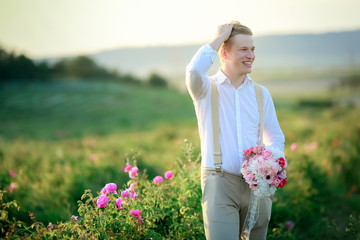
x: 221, y: 78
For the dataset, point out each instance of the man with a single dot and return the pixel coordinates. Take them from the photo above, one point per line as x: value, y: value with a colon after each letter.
x: 225, y: 193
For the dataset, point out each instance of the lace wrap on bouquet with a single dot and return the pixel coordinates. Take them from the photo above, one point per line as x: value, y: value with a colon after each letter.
x: 252, y: 215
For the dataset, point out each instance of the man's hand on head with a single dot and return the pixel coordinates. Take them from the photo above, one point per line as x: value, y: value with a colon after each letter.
x: 222, y: 34
x: 224, y: 31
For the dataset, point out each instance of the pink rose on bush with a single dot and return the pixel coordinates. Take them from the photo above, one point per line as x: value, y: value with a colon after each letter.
x: 169, y: 175
x: 137, y: 213
x: 92, y: 157
x: 12, y: 187
x: 127, y: 168
x: 119, y: 202
x: 109, y: 188
x: 125, y: 193
x: 102, y: 201
x: 132, y: 186
x: 133, y: 172
x: 12, y: 174
x: 133, y: 195
x: 293, y: 147
x: 312, y: 146
x: 158, y: 179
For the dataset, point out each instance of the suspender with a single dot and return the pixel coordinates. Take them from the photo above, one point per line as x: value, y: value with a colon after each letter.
x: 216, y: 125
x: 260, y: 102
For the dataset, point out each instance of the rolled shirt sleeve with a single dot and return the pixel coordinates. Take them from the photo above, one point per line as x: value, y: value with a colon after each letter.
x: 197, y: 82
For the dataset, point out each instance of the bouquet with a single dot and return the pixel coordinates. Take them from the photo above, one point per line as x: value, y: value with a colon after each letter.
x: 264, y: 169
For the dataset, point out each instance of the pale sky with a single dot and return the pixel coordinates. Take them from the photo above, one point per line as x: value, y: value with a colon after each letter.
x: 45, y: 28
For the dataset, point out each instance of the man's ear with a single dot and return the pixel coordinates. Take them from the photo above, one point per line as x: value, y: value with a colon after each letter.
x: 223, y: 53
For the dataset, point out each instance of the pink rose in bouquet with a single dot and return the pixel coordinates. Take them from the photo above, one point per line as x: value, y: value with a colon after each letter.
x: 276, y: 182
x: 250, y: 177
x: 281, y: 161
x: 283, y: 182
x: 267, y: 154
x: 249, y: 151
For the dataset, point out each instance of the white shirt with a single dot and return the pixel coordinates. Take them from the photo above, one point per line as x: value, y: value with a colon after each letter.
x: 238, y: 113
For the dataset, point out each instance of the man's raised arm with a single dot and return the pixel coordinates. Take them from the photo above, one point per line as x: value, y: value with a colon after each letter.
x: 197, y: 81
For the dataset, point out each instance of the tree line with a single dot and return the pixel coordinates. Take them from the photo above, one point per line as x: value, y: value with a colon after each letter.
x: 20, y: 67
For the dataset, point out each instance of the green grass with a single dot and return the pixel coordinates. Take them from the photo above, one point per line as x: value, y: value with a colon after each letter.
x: 60, y: 110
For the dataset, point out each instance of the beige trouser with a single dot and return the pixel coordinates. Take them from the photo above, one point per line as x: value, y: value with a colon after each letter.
x: 225, y: 203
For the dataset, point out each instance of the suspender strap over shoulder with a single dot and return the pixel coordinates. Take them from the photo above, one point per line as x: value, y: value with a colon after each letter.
x: 216, y: 123
x: 260, y: 102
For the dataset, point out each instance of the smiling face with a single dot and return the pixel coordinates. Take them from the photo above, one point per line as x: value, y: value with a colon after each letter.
x: 239, y: 55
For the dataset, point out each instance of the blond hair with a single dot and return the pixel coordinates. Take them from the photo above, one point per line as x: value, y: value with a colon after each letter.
x: 238, y: 28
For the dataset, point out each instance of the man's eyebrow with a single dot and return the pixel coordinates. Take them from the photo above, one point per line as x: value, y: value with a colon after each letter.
x: 242, y: 47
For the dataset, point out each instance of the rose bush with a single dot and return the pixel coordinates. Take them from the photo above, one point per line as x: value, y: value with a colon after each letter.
x: 170, y: 210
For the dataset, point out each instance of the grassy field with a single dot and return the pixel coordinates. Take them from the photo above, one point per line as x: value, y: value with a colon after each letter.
x: 77, y: 109
x: 62, y: 138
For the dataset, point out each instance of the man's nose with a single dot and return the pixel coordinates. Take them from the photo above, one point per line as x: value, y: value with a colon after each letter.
x: 251, y: 54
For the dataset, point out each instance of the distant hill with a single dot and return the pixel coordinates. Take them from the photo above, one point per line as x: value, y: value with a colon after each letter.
x: 329, y: 50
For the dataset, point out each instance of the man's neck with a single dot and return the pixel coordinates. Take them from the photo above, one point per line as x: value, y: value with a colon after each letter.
x: 235, y: 80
